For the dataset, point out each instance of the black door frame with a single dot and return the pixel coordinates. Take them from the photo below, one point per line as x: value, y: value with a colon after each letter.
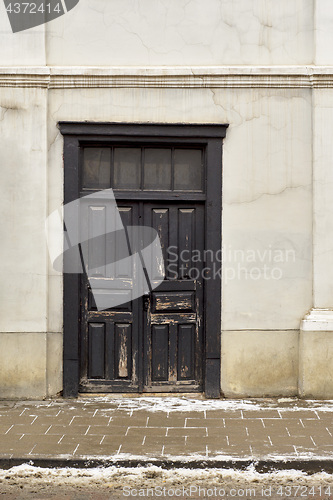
x: 77, y: 134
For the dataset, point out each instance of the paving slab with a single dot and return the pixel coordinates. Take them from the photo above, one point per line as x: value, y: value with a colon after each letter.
x: 121, y: 429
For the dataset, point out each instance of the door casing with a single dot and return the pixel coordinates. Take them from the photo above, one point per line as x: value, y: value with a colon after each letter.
x: 210, y: 136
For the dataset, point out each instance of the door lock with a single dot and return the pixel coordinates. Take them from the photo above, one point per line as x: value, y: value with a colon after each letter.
x: 146, y: 301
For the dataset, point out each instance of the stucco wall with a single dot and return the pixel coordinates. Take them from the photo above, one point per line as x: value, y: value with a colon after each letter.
x: 186, y: 33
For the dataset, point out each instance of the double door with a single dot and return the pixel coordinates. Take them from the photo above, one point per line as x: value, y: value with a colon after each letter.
x: 154, y: 342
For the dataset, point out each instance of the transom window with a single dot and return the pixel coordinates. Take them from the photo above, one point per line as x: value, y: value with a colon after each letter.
x: 143, y: 168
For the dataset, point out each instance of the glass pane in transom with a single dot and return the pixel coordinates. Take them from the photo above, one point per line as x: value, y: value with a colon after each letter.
x: 188, y: 170
x: 96, y: 168
x: 127, y: 168
x: 157, y: 169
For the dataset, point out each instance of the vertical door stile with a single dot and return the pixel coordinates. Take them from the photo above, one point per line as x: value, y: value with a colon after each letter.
x: 173, y: 334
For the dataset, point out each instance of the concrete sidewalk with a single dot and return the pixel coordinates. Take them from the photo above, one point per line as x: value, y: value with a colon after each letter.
x: 166, y: 430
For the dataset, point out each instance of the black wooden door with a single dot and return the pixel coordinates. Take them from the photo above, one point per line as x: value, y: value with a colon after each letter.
x: 110, y: 337
x: 153, y: 343
x: 173, y: 319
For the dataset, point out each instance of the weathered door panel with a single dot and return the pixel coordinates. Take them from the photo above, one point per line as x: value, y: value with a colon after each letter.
x: 109, y: 338
x: 173, y: 332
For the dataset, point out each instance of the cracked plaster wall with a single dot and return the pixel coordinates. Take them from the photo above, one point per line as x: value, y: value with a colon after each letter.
x: 24, y: 206
x: 171, y: 32
x: 183, y: 32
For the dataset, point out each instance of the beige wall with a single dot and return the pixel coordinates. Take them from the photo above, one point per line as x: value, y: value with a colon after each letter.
x: 182, y: 32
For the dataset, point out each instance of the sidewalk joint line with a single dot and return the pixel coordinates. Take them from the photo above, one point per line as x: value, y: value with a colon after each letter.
x: 147, y: 421
x: 247, y: 431
x: 32, y: 449
x: 313, y: 440
x: 329, y: 432
x: 269, y: 439
x: 128, y: 428
x: 9, y: 428
x: 227, y: 438
x: 185, y: 425
x: 95, y: 412
x: 167, y: 430
x: 163, y: 450
x: 119, y: 449
x: 101, y: 441
x: 207, y: 451
x: 288, y: 431
x: 316, y: 413
x: 48, y: 429
x: 87, y: 430
x: 263, y: 423
x: 20, y: 415
x: 71, y: 421
x: 143, y: 441
x: 242, y: 414
x: 76, y: 449
x: 21, y: 437
x: 279, y: 412
x: 61, y: 438
x: 302, y: 423
x: 34, y: 419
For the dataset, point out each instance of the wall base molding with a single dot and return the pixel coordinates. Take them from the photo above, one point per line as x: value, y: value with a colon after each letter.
x: 320, y: 320
x: 316, y: 354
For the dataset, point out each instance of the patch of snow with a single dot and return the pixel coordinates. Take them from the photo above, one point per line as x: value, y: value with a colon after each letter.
x: 171, y: 404
x: 187, y: 404
x: 286, y: 400
x: 195, y: 457
x: 152, y: 476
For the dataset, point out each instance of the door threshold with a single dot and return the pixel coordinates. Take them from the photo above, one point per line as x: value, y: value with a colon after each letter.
x: 122, y: 395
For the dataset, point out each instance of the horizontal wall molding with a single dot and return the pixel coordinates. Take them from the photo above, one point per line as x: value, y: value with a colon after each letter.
x: 283, y: 77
